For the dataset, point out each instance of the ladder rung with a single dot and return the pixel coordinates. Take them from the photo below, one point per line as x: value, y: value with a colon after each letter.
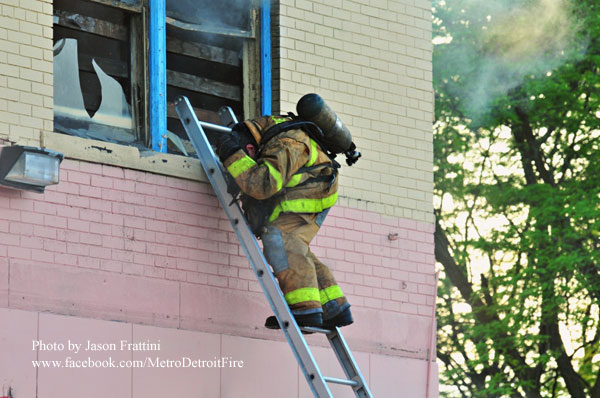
x: 352, y: 383
x: 314, y: 329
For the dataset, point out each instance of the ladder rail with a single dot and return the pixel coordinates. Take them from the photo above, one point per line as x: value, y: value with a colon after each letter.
x: 346, y: 359
x: 258, y: 263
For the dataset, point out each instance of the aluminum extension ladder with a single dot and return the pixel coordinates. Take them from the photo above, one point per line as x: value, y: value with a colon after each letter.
x: 270, y: 287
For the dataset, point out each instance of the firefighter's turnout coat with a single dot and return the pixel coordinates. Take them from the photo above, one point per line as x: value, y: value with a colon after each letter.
x: 294, y: 181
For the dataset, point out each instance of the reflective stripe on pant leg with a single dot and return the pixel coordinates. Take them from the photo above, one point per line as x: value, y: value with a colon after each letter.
x: 330, y: 293
x: 302, y: 294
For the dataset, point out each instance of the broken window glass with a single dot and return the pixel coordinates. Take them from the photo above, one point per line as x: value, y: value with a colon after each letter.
x: 95, y: 95
x: 112, y: 120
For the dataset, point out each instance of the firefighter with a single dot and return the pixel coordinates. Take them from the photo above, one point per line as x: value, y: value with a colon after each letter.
x: 288, y: 185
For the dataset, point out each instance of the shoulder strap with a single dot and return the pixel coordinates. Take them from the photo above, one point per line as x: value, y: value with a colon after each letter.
x: 290, y: 125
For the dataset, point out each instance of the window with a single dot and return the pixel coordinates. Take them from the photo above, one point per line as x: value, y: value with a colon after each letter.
x: 101, y: 66
x: 93, y: 61
x: 210, y: 47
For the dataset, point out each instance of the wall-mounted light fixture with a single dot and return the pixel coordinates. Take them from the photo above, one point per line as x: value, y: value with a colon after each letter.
x: 29, y: 168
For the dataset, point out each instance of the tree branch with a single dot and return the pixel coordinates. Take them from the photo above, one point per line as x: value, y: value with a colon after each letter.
x: 549, y: 324
x: 533, y: 150
x: 595, y: 391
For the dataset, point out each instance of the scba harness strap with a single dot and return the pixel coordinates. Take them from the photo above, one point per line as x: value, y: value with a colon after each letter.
x: 309, y: 128
x: 260, y: 212
x: 314, y: 132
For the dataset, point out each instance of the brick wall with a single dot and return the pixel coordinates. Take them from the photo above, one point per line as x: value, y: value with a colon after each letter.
x: 372, y: 62
x: 25, y: 70
x: 116, y: 236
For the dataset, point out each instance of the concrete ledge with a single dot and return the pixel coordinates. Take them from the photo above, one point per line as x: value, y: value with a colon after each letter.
x: 124, y: 156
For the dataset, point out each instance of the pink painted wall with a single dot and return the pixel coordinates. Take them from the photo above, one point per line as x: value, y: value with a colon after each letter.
x: 268, y: 370
x: 157, y: 254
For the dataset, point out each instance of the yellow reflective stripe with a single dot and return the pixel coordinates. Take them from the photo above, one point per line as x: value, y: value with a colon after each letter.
x: 295, y: 180
x: 239, y: 166
x: 276, y: 175
x: 275, y: 213
x: 278, y: 120
x: 313, y: 153
x: 302, y: 294
x: 330, y: 293
x: 304, y: 206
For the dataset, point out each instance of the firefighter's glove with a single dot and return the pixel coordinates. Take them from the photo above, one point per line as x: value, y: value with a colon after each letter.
x: 227, y: 145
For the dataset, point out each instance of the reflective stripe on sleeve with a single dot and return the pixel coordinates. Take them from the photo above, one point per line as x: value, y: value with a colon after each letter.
x: 301, y: 295
x: 330, y: 293
x: 295, y: 180
x: 313, y: 153
x: 276, y: 175
x: 239, y: 166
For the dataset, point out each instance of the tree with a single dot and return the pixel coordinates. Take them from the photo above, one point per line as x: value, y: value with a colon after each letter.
x: 517, y: 184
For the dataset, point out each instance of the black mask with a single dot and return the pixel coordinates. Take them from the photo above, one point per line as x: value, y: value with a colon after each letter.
x: 245, y: 135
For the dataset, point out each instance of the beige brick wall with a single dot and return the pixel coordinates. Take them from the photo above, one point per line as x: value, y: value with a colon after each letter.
x: 371, y: 60
x: 25, y: 70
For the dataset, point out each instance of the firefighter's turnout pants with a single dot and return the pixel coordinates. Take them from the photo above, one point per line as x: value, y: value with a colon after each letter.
x: 307, y: 283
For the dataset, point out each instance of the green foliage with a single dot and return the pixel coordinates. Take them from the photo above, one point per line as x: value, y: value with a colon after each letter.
x: 517, y: 179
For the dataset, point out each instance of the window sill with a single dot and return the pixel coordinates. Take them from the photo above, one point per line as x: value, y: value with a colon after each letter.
x: 123, y: 156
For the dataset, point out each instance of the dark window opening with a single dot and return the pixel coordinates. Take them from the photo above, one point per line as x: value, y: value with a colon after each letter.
x: 205, y: 50
x: 93, y: 86
x: 101, y: 66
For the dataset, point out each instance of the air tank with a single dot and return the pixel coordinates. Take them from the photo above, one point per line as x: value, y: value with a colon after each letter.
x: 312, y: 107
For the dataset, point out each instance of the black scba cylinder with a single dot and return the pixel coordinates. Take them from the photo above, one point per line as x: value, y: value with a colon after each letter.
x: 313, y: 108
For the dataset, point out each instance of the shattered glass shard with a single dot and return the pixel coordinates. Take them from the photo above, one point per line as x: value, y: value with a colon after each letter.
x: 114, y: 109
x: 112, y: 121
x: 68, y: 99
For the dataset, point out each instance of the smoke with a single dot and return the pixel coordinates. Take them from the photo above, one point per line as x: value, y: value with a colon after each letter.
x: 514, y: 40
x: 206, y: 12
